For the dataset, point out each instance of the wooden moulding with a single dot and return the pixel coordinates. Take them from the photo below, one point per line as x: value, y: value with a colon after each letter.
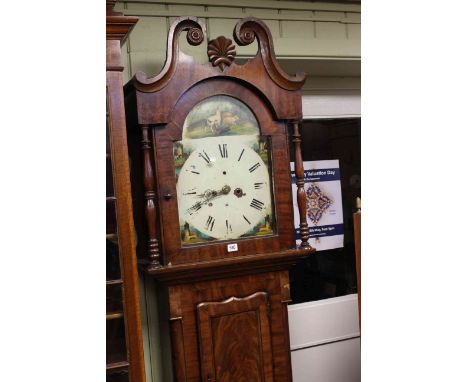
x: 118, y: 26
x: 261, y: 72
x: 245, y: 32
x: 228, y: 267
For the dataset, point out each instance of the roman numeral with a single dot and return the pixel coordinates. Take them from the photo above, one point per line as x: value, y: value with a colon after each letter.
x: 247, y: 220
x: 195, y: 172
x: 240, y: 156
x: 257, y: 204
x: 258, y: 185
x: 210, y: 223
x: 254, y: 167
x: 191, y: 191
x: 223, y: 150
x: 228, y: 226
x: 205, y: 156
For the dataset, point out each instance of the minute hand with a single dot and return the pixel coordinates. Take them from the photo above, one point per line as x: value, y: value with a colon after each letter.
x: 211, y: 195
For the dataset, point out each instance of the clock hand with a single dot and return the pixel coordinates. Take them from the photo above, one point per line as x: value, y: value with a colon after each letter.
x: 209, y: 194
x: 195, y: 207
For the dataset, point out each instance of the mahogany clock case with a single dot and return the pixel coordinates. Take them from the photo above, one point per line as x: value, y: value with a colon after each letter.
x: 170, y: 241
x: 159, y: 106
x: 226, y: 311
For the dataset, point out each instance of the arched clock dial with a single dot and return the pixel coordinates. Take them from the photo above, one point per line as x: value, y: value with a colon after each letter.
x: 224, y: 190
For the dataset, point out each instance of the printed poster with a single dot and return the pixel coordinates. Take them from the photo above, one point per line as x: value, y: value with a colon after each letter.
x: 322, y: 185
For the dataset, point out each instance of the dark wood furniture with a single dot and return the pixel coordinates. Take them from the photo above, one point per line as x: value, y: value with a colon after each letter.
x: 226, y: 298
x: 124, y: 342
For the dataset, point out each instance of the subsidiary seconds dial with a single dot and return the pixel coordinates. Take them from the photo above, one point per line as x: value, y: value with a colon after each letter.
x: 224, y: 189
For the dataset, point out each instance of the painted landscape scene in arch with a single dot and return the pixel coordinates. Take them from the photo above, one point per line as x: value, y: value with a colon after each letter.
x: 219, y: 116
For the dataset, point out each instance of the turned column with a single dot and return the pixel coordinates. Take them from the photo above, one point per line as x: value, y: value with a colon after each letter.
x: 301, y: 194
x: 150, y: 200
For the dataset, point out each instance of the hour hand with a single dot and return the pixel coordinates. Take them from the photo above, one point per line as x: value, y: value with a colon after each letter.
x: 208, y: 194
x: 195, y: 208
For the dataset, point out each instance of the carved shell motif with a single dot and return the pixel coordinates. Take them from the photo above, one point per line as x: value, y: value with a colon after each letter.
x: 221, y: 52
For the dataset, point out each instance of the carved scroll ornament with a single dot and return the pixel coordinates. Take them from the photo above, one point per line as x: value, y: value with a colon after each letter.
x: 195, y: 36
x: 221, y: 53
x: 244, y: 34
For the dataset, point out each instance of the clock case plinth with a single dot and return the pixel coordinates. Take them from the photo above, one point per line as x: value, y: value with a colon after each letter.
x: 205, y: 285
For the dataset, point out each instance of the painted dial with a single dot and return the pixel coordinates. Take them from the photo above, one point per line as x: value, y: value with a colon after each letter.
x: 223, y: 188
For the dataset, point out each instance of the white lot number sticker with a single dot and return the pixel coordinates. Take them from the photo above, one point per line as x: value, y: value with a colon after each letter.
x: 232, y: 247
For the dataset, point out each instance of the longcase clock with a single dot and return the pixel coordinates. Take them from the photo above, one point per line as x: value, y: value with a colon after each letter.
x: 213, y: 201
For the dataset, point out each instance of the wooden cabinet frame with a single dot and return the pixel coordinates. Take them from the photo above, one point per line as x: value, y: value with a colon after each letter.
x: 117, y: 29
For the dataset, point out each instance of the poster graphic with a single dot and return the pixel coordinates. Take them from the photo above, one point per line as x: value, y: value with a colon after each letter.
x: 324, y: 206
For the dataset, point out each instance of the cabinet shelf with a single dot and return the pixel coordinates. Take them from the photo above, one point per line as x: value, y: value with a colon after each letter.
x: 114, y: 315
x: 114, y: 282
x: 111, y: 236
x: 117, y: 365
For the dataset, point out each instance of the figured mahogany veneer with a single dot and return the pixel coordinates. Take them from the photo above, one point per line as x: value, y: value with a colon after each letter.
x: 243, y: 337
x: 232, y: 330
x: 227, y: 310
